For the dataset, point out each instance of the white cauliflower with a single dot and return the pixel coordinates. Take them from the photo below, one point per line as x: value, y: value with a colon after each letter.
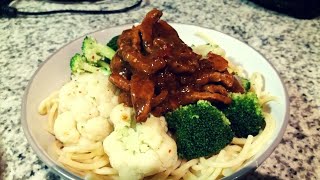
x: 65, y: 128
x: 141, y: 151
x: 85, y: 104
x: 121, y: 116
x: 83, y: 108
x: 88, y: 95
x: 105, y: 107
x: 95, y: 129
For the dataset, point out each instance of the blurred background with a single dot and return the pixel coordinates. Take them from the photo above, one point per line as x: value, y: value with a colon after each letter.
x: 303, y: 9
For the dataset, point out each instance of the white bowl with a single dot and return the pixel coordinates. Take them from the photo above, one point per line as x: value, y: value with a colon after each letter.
x: 55, y: 71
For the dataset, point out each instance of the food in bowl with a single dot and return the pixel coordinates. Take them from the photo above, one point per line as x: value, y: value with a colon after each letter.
x: 151, y: 107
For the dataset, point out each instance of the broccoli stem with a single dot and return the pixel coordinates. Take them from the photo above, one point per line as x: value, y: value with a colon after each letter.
x: 104, y: 67
x: 107, y: 52
x: 89, y: 68
x: 103, y: 64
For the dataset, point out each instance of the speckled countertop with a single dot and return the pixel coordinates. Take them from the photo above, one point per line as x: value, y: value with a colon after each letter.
x: 292, y: 45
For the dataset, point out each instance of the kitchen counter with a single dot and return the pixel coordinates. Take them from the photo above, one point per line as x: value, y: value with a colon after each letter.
x: 291, y: 45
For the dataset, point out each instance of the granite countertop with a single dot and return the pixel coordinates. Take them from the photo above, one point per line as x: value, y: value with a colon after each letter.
x: 292, y: 46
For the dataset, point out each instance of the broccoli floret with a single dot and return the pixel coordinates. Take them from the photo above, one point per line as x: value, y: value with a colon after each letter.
x: 95, y: 51
x: 78, y: 64
x: 200, y: 129
x: 245, y: 114
x: 245, y: 83
x: 93, y: 58
x: 113, y: 43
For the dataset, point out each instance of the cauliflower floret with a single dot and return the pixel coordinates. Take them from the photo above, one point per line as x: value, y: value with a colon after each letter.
x: 141, y: 151
x: 105, y: 109
x: 87, y: 96
x: 84, y: 108
x: 154, y: 133
x: 100, y: 88
x: 74, y: 98
x: 87, y: 100
x: 95, y: 129
x: 66, y: 94
x: 121, y: 116
x: 65, y: 128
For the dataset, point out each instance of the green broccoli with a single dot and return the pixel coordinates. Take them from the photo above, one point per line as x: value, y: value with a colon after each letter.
x: 245, y: 114
x: 200, y: 129
x: 245, y: 83
x: 78, y: 64
x: 95, y: 51
x: 113, y: 43
x: 104, y: 67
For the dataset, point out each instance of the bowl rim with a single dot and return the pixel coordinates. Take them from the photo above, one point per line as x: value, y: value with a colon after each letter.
x: 67, y: 174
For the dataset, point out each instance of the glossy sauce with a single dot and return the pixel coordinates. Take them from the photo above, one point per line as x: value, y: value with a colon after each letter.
x: 157, y: 72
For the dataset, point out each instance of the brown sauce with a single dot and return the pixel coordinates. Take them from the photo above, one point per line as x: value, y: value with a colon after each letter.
x: 157, y: 72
